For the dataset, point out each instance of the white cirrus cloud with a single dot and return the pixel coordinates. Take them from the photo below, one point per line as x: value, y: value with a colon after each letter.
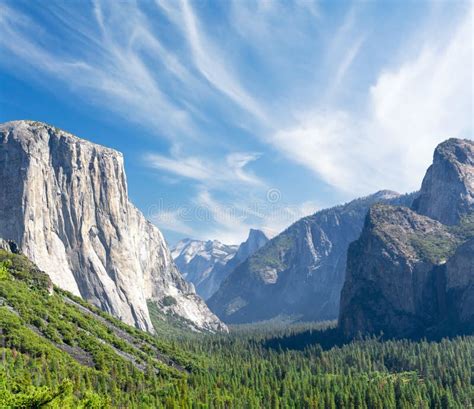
x: 209, y: 59
x: 410, y: 109
x: 212, y: 173
x: 119, y: 56
x: 173, y: 220
x: 228, y: 221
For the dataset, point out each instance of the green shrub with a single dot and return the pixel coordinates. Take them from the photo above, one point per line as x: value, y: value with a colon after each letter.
x: 168, y: 301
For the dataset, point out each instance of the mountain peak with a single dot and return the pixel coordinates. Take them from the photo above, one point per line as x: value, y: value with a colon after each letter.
x: 410, y: 272
x: 300, y: 272
x: 64, y: 200
x: 460, y: 150
x: 255, y: 234
x: 255, y: 240
x: 199, y: 261
x: 447, y: 191
x: 26, y: 129
x: 207, y: 263
x: 385, y: 194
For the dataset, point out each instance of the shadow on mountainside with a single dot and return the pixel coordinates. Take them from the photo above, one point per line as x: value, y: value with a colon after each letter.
x: 327, y: 339
x: 333, y: 337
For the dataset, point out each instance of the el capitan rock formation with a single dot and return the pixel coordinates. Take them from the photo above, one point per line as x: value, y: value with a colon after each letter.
x: 64, y: 200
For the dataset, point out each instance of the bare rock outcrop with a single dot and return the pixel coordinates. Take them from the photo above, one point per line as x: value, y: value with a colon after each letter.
x: 460, y: 286
x: 411, y: 272
x: 299, y: 274
x: 447, y: 191
x: 395, y: 274
x: 64, y: 200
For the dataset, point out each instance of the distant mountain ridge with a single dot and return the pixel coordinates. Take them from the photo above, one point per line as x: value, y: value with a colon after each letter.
x: 300, y: 272
x: 207, y: 263
x: 64, y: 200
x: 199, y: 260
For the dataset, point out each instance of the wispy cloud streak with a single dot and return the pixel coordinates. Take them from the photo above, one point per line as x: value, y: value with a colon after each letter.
x: 408, y: 110
x: 214, y: 173
x: 305, y: 84
x: 109, y: 71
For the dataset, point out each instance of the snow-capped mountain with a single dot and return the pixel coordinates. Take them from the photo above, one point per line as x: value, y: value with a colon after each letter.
x: 199, y: 261
x: 207, y: 264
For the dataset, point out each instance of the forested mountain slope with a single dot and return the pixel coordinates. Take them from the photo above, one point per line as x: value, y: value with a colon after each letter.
x: 51, y: 335
x: 60, y: 352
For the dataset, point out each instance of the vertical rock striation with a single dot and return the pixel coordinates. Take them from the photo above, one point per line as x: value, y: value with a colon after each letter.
x: 299, y: 273
x: 447, y: 191
x: 411, y: 272
x: 64, y: 200
x: 460, y: 287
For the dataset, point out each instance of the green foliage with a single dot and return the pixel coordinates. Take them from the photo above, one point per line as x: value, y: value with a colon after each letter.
x: 49, y: 338
x: 168, y: 301
x: 20, y: 268
x: 60, y: 352
x: 4, y: 274
x: 271, y: 254
x: 465, y: 229
x: 253, y: 368
x: 437, y: 247
x: 167, y: 325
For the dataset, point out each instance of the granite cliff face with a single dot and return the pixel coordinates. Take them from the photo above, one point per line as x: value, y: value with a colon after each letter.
x: 64, y: 201
x: 411, y: 275
x: 460, y: 287
x: 207, y: 264
x: 391, y: 282
x: 447, y: 191
x: 299, y: 273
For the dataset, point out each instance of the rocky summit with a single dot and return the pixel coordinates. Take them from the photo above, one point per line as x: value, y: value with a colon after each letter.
x: 411, y: 272
x: 447, y: 191
x: 298, y: 275
x: 64, y: 200
x: 255, y: 241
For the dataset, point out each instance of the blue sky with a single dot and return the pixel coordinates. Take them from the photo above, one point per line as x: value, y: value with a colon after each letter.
x: 239, y: 114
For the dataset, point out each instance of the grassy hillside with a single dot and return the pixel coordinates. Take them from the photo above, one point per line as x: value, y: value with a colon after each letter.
x: 60, y: 349
x: 59, y: 352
